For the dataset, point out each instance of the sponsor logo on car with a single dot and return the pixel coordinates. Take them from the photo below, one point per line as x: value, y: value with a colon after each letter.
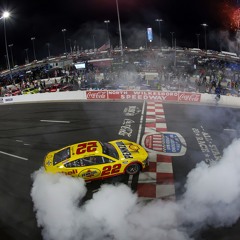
x: 49, y: 163
x: 124, y: 150
x: 89, y: 173
x: 72, y: 172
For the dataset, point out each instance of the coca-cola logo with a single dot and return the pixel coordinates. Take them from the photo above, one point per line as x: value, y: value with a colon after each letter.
x: 96, y: 95
x: 189, y: 97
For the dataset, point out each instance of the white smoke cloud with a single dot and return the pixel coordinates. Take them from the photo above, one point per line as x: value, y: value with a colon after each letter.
x: 211, y: 198
x: 56, y: 200
x: 212, y: 192
x: 226, y: 40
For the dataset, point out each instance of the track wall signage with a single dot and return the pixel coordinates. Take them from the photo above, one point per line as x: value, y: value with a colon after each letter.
x: 143, y: 95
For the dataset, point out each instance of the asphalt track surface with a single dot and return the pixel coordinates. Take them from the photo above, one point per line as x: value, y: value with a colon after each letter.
x: 220, y: 125
x: 29, y: 131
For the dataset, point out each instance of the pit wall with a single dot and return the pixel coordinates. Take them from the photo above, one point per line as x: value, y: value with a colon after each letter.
x: 128, y: 95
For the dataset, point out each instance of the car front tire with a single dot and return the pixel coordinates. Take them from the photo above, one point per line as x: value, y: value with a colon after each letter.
x: 133, y: 169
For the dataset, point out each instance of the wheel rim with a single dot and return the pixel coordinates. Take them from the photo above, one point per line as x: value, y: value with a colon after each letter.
x: 133, y: 169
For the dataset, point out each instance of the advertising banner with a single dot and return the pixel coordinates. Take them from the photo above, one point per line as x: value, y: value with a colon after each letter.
x: 189, y: 97
x: 149, y: 34
x: 142, y: 95
x: 97, y: 95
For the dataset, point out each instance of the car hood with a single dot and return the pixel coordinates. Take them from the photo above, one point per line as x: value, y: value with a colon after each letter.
x: 129, y: 150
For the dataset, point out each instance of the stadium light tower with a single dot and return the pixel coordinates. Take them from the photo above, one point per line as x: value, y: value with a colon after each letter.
x: 48, y: 48
x: 107, y: 22
x: 198, y: 35
x: 4, y: 16
x: 94, y: 45
x: 27, y: 58
x: 10, y: 46
x: 119, y: 28
x: 205, y: 34
x: 172, y: 33
x: 70, y: 45
x: 34, y: 53
x: 159, y: 28
x: 64, y: 40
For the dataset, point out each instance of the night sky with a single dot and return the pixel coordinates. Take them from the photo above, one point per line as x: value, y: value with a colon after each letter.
x: 83, y: 19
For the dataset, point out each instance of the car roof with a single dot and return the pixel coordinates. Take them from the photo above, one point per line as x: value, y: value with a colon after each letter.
x: 87, y: 148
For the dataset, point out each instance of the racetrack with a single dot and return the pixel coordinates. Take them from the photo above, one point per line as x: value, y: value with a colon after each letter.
x: 29, y: 131
x: 27, y: 134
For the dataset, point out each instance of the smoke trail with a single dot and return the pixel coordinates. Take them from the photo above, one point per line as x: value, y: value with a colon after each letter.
x: 211, y: 198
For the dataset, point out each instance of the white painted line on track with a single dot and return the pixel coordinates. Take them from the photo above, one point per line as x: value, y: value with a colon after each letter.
x: 130, y: 179
x: 141, y: 122
x: 230, y: 130
x: 54, y: 121
x: 12, y: 155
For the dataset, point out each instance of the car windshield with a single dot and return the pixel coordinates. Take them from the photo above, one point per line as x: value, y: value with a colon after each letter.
x: 109, y: 150
x: 61, y: 155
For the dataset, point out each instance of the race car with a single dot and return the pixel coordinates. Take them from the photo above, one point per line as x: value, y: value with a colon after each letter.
x: 30, y: 91
x: 96, y: 160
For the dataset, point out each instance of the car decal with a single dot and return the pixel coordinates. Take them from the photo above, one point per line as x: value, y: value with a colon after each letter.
x: 109, y: 170
x: 72, y: 172
x: 86, y: 147
x: 90, y: 173
x: 134, y: 147
x: 48, y: 163
x: 124, y: 150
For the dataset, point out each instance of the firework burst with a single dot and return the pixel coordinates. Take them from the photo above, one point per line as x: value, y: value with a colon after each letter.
x: 236, y: 19
x: 230, y: 11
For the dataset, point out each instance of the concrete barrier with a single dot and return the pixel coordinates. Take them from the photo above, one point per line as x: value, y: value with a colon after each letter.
x: 43, y: 97
x: 224, y: 100
x: 100, y: 95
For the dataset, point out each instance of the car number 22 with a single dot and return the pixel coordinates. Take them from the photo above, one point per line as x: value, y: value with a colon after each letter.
x: 86, y: 147
x: 108, y: 170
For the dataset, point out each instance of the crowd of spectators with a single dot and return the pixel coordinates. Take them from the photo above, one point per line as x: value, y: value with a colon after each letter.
x: 219, y: 75
x: 176, y: 71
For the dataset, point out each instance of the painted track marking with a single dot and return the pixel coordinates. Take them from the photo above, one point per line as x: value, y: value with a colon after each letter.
x: 12, y: 155
x: 54, y: 121
x: 230, y: 130
x: 141, y: 122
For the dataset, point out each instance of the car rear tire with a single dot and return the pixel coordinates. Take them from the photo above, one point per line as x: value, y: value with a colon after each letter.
x: 133, y: 169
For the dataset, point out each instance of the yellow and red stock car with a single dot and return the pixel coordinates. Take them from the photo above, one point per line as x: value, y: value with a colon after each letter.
x: 94, y: 160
